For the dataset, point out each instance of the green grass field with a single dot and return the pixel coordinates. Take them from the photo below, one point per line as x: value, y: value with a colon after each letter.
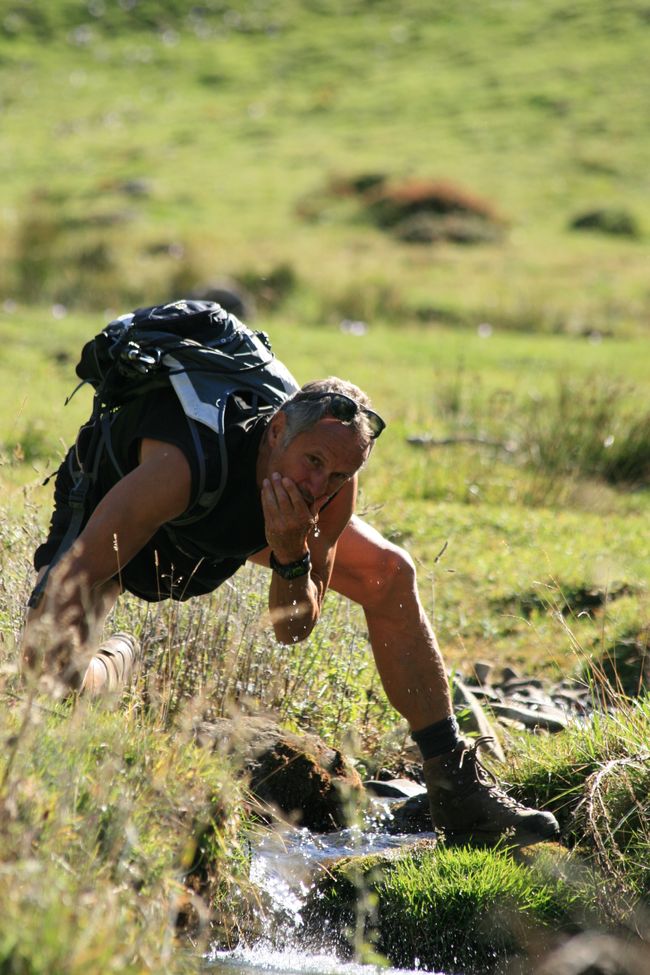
x: 150, y: 147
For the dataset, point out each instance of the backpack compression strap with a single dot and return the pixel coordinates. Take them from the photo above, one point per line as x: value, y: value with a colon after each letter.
x: 77, y: 502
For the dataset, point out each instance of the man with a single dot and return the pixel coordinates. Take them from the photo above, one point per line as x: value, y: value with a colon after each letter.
x: 288, y: 504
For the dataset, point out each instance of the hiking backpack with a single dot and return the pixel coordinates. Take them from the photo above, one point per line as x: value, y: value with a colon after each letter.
x: 205, y: 354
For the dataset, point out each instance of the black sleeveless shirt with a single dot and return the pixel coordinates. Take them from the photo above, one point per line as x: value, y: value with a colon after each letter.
x: 180, y: 561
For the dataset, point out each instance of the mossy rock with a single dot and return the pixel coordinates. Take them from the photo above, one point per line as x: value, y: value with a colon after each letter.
x: 456, y: 909
x: 298, y: 775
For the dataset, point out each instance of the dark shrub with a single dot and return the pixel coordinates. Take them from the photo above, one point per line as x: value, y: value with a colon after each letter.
x: 607, y: 220
x: 458, y: 228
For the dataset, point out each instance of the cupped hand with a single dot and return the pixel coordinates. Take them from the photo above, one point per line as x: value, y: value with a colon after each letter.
x: 288, y: 518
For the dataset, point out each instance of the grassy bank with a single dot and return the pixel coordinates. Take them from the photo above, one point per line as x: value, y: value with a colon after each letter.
x: 462, y: 909
x: 116, y: 832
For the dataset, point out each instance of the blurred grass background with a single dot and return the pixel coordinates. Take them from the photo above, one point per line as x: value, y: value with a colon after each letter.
x: 151, y: 147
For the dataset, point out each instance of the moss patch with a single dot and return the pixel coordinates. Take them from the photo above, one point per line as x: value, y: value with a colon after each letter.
x: 460, y: 910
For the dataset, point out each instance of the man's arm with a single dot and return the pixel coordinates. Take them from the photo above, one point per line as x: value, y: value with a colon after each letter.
x: 295, y: 604
x: 156, y: 491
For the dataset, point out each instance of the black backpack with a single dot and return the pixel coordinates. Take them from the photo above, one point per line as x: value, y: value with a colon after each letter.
x: 205, y: 354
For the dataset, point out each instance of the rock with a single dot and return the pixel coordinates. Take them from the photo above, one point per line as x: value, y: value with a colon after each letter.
x: 483, y: 671
x: 517, y: 683
x: 297, y: 774
x: 393, y: 788
x: 135, y: 187
x: 607, y: 220
x: 597, y: 953
x: 457, y: 228
x: 572, y: 701
x: 485, y: 693
x: 409, y: 816
x: 508, y: 673
x: 550, y: 718
x: 231, y: 297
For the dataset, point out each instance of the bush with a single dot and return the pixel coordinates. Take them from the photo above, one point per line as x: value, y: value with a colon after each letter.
x: 586, y: 429
x: 607, y: 220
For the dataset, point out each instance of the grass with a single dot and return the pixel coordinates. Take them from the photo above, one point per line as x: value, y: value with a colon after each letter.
x: 145, y: 149
x: 102, y: 818
x: 453, y: 909
x: 595, y: 778
x: 209, y: 117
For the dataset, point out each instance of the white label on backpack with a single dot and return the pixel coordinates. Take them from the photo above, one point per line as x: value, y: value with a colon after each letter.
x: 210, y: 414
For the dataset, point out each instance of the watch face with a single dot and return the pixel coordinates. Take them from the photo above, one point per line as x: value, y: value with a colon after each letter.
x: 295, y: 571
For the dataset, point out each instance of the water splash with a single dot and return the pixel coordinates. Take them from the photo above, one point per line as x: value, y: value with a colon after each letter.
x: 264, y: 958
x: 284, y: 865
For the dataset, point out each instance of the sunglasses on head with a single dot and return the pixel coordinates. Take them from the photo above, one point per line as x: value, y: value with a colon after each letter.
x: 344, y: 408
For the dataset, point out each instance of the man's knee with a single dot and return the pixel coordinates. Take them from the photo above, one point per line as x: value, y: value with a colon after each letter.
x: 394, y: 567
x: 386, y: 572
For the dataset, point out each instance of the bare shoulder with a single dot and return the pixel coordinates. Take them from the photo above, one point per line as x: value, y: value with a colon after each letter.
x: 165, y: 454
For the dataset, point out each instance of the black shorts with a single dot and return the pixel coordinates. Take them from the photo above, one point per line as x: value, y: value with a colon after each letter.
x: 159, y: 571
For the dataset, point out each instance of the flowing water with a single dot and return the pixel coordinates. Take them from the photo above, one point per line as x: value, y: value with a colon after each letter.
x: 285, y: 863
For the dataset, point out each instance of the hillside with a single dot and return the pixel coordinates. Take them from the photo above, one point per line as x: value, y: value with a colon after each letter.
x: 148, y: 147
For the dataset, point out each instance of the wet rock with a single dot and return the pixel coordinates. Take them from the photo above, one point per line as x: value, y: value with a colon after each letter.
x: 393, y: 788
x: 296, y: 774
x: 409, y: 816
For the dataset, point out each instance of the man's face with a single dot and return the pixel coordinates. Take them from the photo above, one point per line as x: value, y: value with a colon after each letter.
x: 318, y: 461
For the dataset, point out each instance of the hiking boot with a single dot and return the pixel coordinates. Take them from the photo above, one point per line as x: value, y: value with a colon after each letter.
x: 113, y: 666
x: 465, y: 799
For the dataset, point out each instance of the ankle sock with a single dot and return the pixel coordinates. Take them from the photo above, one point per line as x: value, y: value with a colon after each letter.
x: 437, y: 738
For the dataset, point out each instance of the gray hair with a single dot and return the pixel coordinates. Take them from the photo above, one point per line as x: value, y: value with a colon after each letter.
x: 303, y: 414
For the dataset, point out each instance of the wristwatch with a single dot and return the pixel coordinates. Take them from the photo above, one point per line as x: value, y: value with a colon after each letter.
x: 292, y: 570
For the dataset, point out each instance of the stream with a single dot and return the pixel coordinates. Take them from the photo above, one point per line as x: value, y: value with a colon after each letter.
x: 284, y: 864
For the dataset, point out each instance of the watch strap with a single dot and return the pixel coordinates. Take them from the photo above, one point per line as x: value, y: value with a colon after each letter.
x: 291, y: 570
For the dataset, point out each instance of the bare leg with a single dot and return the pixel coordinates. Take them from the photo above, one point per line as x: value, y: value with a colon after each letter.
x: 381, y: 577
x: 463, y: 800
